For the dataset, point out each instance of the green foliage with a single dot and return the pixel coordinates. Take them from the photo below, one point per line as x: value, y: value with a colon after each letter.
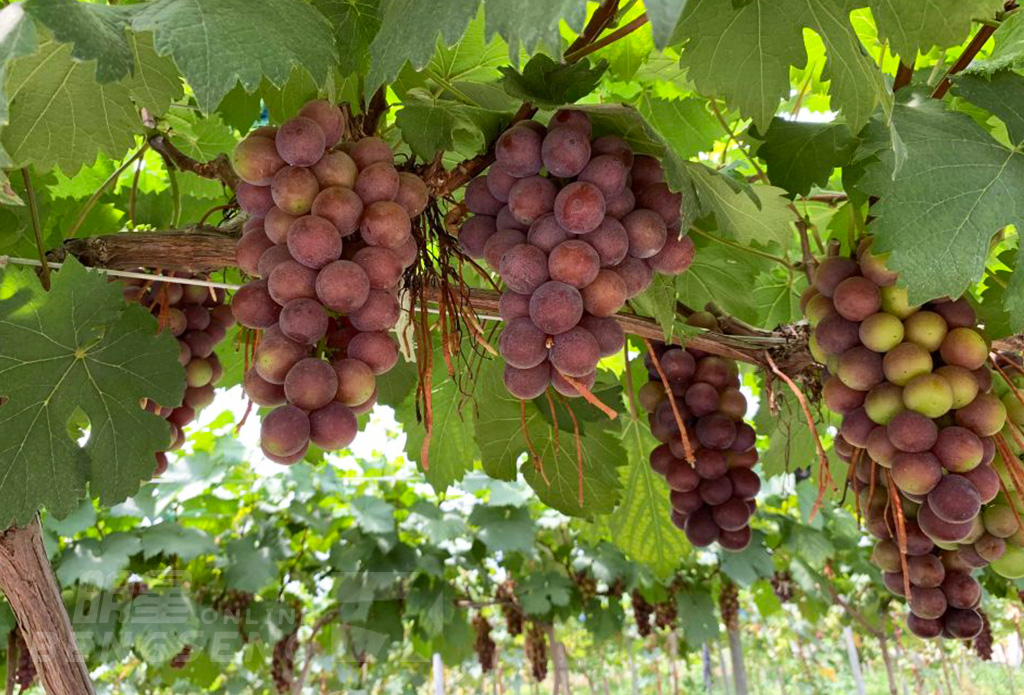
x: 802, y: 155
x: 78, y: 351
x: 546, y: 82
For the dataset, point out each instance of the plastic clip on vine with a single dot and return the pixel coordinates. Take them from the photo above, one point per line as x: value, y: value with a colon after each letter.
x: 329, y: 238
x: 570, y: 246
x: 919, y: 416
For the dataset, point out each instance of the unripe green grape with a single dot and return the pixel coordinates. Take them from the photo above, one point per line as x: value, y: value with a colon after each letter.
x: 904, y: 362
x: 925, y: 328
x: 1014, y: 408
x: 1011, y: 564
x: 818, y: 308
x: 962, y: 382
x: 881, y: 332
x: 928, y: 394
x: 964, y: 347
x: 895, y: 302
x: 985, y: 415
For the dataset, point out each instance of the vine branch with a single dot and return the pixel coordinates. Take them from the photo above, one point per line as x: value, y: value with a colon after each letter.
x: 219, y: 168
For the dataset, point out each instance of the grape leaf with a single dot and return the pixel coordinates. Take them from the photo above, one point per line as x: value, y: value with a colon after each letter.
x: 249, y: 568
x: 743, y: 51
x: 17, y: 39
x: 697, y: 615
x: 641, y: 525
x: 499, y: 432
x: 97, y: 32
x: 158, y: 625
x: 373, y: 514
x: 686, y: 124
x: 527, y: 24
x: 430, y: 124
x: 957, y: 188
x: 355, y: 23
x: 505, y: 528
x: 216, y: 43
x: 97, y: 562
x: 545, y: 82
x: 802, y: 155
x: 912, y: 26
x: 776, y: 298
x: 748, y: 565
x: 395, y: 44
x: 452, y: 450
x: 55, y: 99
x: 1007, y: 49
x: 78, y: 348
x: 715, y: 274
x: 663, y: 16
x: 539, y: 592
x: 659, y: 302
x: 172, y: 539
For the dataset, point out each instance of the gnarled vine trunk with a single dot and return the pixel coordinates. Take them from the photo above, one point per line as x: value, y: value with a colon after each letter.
x: 27, y: 581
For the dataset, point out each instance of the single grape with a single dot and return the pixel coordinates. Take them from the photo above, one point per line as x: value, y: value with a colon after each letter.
x: 545, y: 233
x: 856, y: 298
x: 314, y: 242
x: 522, y: 344
x: 385, y: 223
x: 260, y: 391
x: 474, y: 233
x: 379, y: 312
x: 572, y: 118
x: 831, y: 272
x: 381, y: 265
x: 249, y: 249
x: 575, y: 352
x: 273, y: 257
x: 276, y: 224
x: 565, y: 151
x: 300, y: 141
x: 610, y: 240
x: 530, y: 198
x: 376, y: 183
x: 524, y: 268
x: 615, y: 146
x: 356, y: 381
x: 646, y: 171
x: 527, y: 383
x: 574, y: 262
x: 606, y: 294
x: 376, y: 349
x: 479, y: 199
x: 647, y: 233
x: 342, y: 286
x: 294, y: 189
x: 292, y: 280
x: 580, y: 207
x: 412, y: 194
x: 609, y: 334
x: 256, y: 160
x: 333, y: 427
x: 518, y: 152
x: 500, y: 242
x: 254, y: 200
x: 658, y: 198
x: 285, y: 431
x: 512, y: 305
x: 608, y: 173
x: 328, y: 117
x: 499, y: 183
x: 253, y: 307
x: 304, y: 321
x: 675, y: 256
x: 369, y: 151
x: 310, y: 384
x: 636, y: 274
x: 341, y: 207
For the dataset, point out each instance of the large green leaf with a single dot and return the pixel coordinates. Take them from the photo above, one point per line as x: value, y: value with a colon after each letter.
x: 355, y: 24
x: 217, y: 43
x: 802, y: 155
x: 429, y: 123
x: 55, y: 99
x: 687, y: 125
x: 742, y: 51
x: 641, y: 526
x: 78, y: 349
x: 505, y: 429
x: 98, y: 32
x: 911, y: 26
x: 17, y: 39
x: 957, y: 188
x: 505, y: 528
x: 528, y: 24
x: 547, y: 82
x: 397, y: 42
x: 1008, y: 46
x: 715, y: 274
x: 250, y: 567
x: 664, y: 16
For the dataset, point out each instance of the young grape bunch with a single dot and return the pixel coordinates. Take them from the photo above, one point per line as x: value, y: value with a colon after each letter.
x: 713, y: 497
x: 574, y: 226
x: 197, y: 316
x: 328, y: 241
x: 914, y: 390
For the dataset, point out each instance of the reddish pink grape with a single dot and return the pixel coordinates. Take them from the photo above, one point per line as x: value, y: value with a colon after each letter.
x: 256, y: 160
x: 254, y: 200
x: 565, y: 151
x: 342, y: 286
x: 522, y: 344
x: 556, y: 307
x: 647, y: 233
x: 304, y: 321
x: 300, y: 141
x: 531, y: 198
x: 253, y: 307
x: 610, y: 240
x: 608, y: 173
x: 574, y: 262
x: 385, y: 224
x: 518, y: 151
x: 328, y: 117
x: 545, y: 233
x: 646, y: 172
x: 500, y: 242
x: 369, y: 151
x: 276, y: 224
x: 620, y: 205
x: 579, y: 207
x: 575, y: 353
x: 333, y: 427
x: 615, y: 146
x: 273, y: 257
x: 341, y: 207
x: 527, y: 383
x: 608, y: 333
x: 292, y: 280
x: 479, y: 199
x: 513, y: 305
x: 356, y: 382
x: 505, y: 220
x: 675, y: 256
x: 377, y: 182
x: 379, y: 312
x: 294, y: 189
x: 499, y: 183
x: 412, y: 194
x: 474, y: 233
x: 311, y: 384
x: 567, y: 388
x: 523, y: 268
x: 660, y: 199
x: 277, y: 354
x: 285, y: 431
x: 378, y: 350
x: 250, y: 248
x: 313, y: 241
x: 260, y: 391
x: 606, y: 294
x: 636, y: 274
x: 381, y: 265
x: 572, y: 118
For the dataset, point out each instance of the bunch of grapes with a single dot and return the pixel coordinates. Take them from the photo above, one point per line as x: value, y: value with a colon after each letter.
x: 197, y: 316
x: 642, y: 611
x: 330, y: 237
x: 282, y: 662
x: 712, y: 499
x: 510, y: 608
x: 25, y: 672
x: 914, y: 390
x: 665, y: 613
x: 729, y: 605
x: 571, y: 247
x: 536, y: 647
x: 233, y: 603
x: 586, y: 583
x: 783, y: 586
x: 181, y: 659
x: 483, y: 644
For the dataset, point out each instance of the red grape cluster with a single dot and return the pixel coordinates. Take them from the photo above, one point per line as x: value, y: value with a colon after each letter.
x: 330, y: 237
x: 571, y: 246
x: 712, y: 499
x: 197, y: 316
x: 914, y: 390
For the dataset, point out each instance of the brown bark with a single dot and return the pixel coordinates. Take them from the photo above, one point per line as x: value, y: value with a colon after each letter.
x: 30, y: 587
x: 883, y: 645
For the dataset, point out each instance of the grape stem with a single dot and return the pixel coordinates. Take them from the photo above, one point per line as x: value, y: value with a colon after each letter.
x: 218, y: 168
